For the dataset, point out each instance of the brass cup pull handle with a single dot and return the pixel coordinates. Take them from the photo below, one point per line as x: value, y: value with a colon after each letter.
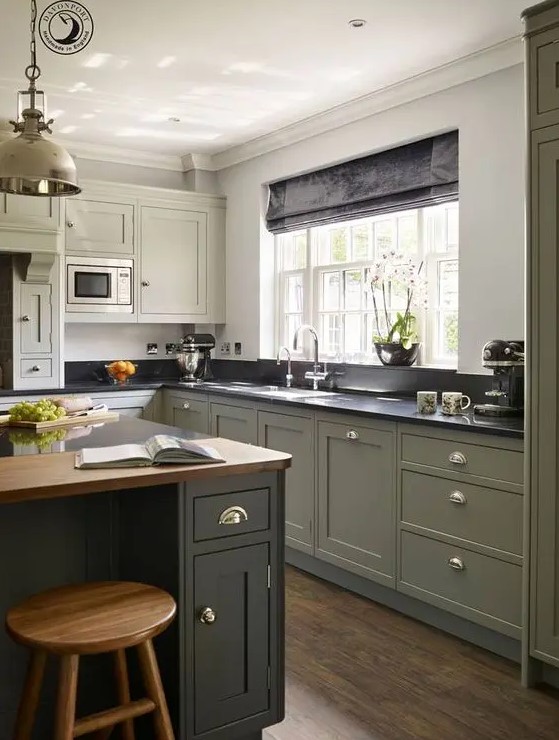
x: 352, y: 434
x: 207, y: 615
x: 457, y: 497
x: 457, y: 458
x: 186, y: 406
x: 456, y: 564
x: 25, y: 317
x: 233, y: 515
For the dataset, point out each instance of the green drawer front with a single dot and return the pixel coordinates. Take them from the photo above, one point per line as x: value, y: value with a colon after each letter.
x: 462, y: 457
x: 231, y: 514
x: 486, y: 585
x: 483, y: 515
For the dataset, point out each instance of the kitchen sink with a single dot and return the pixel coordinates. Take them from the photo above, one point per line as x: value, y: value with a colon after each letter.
x: 270, y: 391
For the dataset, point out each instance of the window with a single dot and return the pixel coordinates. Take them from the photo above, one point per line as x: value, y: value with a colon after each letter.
x: 324, y: 276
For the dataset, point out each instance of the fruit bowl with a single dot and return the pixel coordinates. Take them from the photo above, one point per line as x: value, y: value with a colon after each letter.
x: 121, y: 371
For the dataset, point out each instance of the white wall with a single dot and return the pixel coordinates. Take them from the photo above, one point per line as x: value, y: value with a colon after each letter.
x: 489, y: 113
x: 118, y: 341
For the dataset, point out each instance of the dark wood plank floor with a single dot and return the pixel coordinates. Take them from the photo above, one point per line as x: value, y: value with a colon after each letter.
x: 359, y: 671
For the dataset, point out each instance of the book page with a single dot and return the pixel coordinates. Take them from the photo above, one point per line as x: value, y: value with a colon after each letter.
x: 118, y: 453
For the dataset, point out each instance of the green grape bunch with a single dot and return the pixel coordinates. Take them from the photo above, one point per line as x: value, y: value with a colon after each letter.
x: 43, y: 410
x: 42, y: 440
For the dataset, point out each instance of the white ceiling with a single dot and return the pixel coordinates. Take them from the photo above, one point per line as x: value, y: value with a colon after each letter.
x: 233, y: 70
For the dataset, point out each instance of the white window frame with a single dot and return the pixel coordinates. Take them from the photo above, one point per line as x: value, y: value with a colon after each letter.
x: 427, y: 320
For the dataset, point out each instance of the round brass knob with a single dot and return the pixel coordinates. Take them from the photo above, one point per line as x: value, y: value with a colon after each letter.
x: 35, y: 368
x: 207, y: 615
x: 145, y: 283
x: 25, y: 318
x: 70, y: 224
x: 186, y: 406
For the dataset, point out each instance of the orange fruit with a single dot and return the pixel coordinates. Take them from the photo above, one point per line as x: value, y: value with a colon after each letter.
x: 121, y: 376
x: 130, y: 369
x: 120, y: 366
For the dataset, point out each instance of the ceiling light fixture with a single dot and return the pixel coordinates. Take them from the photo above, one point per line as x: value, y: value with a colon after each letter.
x: 357, y: 23
x: 30, y: 164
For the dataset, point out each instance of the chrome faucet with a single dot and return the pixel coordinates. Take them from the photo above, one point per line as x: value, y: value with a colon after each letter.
x: 289, y: 376
x: 317, y: 374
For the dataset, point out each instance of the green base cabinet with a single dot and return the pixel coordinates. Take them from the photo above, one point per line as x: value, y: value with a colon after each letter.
x: 356, y: 497
x: 187, y: 411
x: 232, y: 421
x: 294, y: 435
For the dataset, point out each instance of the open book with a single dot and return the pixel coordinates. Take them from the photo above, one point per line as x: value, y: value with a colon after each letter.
x: 158, y: 450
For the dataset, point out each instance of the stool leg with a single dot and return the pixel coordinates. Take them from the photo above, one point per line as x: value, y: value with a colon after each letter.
x: 123, y: 691
x: 30, y: 696
x: 154, y: 690
x: 66, y: 700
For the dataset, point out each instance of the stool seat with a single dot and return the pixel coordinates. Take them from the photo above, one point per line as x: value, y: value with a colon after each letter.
x: 91, y: 618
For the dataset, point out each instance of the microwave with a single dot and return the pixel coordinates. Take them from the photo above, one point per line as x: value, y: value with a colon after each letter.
x: 98, y: 285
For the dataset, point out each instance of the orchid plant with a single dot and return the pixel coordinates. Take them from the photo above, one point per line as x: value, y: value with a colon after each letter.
x: 395, y: 272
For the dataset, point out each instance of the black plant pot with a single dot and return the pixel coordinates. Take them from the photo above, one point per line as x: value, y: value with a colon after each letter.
x: 392, y: 353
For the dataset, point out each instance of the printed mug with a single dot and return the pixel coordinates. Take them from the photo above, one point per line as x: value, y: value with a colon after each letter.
x: 455, y: 402
x: 426, y: 402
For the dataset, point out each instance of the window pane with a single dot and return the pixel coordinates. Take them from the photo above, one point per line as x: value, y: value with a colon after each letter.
x: 352, y: 289
x: 448, y: 333
x: 292, y: 323
x: 352, y: 334
x: 330, y: 290
x: 300, y: 250
x: 452, y: 227
x: 323, y: 240
x: 448, y: 284
x: 370, y: 332
x: 360, y: 242
x: 398, y: 296
x: 339, y: 245
x: 330, y: 333
x: 384, y: 236
x: 294, y: 294
x: 407, y: 234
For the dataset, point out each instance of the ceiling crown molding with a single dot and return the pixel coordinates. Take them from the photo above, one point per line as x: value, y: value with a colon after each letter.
x: 102, y: 153
x: 493, y: 59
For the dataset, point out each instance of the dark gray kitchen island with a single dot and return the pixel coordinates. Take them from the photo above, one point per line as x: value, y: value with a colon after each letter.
x: 211, y: 535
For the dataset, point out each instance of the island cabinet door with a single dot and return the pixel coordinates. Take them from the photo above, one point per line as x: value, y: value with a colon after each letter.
x: 231, y: 636
x: 356, y: 499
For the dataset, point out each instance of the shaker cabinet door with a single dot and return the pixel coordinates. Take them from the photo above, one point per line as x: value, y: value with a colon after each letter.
x: 98, y: 226
x: 233, y: 422
x: 294, y: 435
x: 173, y: 270
x: 35, y: 319
x: 188, y: 413
x: 231, y: 636
x: 356, y: 499
x: 544, y: 396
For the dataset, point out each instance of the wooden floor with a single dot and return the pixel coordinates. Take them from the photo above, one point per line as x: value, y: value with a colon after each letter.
x: 359, y: 671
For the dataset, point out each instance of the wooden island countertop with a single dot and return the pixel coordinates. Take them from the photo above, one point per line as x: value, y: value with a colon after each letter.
x: 29, y: 477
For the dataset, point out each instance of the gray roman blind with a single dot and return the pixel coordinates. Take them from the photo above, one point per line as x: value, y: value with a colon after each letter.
x: 411, y: 176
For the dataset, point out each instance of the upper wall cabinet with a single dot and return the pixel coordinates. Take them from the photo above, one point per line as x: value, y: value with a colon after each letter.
x: 173, y: 263
x: 99, y: 227
x: 30, y: 224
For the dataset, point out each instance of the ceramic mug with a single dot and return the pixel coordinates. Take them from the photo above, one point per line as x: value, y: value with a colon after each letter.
x: 426, y: 402
x: 455, y: 402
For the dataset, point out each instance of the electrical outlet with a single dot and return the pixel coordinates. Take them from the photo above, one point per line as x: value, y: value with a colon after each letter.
x: 238, y: 348
x: 151, y: 348
x: 169, y: 348
x: 226, y: 348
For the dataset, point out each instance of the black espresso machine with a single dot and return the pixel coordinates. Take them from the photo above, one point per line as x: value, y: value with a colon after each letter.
x: 194, y: 357
x: 506, y: 358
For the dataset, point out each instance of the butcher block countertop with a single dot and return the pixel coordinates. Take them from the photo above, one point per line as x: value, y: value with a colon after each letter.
x: 40, y: 476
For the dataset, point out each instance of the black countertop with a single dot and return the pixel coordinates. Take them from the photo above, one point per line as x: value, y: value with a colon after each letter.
x: 391, y: 407
x: 127, y: 430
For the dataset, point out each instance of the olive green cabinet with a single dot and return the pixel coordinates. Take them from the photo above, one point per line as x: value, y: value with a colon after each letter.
x: 187, y: 411
x: 542, y: 63
x: 356, y: 496
x: 294, y: 435
x: 234, y: 421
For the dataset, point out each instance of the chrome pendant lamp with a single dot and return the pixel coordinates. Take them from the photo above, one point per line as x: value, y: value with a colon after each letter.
x: 29, y: 163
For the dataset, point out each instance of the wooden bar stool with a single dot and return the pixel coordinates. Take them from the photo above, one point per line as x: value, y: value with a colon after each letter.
x: 88, y: 619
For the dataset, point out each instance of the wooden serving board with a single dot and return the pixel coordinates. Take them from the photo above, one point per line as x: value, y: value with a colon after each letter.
x: 66, y: 421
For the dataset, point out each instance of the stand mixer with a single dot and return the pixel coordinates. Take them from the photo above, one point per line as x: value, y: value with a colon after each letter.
x: 193, y: 357
x: 506, y: 359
